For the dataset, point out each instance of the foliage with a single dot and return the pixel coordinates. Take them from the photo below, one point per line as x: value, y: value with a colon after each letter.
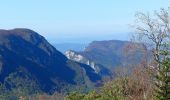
x: 136, y: 86
x: 17, y: 85
x: 163, y: 77
x: 75, y: 96
x: 155, y: 30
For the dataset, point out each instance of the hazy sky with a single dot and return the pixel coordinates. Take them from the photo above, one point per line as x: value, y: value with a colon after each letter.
x: 75, y: 20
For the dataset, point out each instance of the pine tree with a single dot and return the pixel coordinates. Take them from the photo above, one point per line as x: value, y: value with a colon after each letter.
x: 163, y: 78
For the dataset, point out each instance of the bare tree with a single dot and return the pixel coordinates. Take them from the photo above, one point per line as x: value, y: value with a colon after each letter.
x: 154, y: 31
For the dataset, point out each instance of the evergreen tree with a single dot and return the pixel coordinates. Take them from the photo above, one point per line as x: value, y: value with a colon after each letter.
x: 163, y: 78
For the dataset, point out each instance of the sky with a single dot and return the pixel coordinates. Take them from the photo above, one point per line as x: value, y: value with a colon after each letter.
x: 76, y: 21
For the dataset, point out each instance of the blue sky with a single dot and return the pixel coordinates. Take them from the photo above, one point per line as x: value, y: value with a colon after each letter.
x: 75, y: 20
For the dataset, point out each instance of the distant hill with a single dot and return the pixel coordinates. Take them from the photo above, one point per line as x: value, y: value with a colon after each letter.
x: 112, y: 53
x: 63, y: 47
x: 27, y: 56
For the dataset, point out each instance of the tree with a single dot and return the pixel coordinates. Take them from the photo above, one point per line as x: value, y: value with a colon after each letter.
x: 74, y: 96
x: 163, y: 87
x: 155, y: 32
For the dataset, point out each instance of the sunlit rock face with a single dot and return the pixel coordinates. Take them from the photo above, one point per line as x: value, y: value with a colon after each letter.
x: 72, y: 55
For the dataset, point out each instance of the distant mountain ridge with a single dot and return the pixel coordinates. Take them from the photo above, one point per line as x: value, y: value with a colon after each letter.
x: 28, y: 54
x: 110, y: 53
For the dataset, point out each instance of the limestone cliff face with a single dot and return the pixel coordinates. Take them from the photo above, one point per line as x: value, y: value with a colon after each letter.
x: 99, y: 69
x: 79, y: 58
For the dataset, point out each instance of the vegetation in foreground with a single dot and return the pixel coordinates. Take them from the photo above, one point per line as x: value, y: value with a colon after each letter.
x: 148, y: 81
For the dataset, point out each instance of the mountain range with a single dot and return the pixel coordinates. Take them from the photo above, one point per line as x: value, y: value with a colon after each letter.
x: 27, y: 56
x: 109, y: 54
x: 28, y: 60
